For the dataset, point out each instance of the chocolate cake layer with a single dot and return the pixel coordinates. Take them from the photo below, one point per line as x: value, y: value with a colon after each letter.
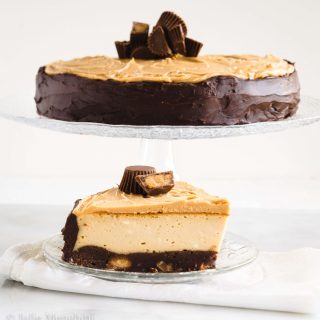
x: 219, y: 100
x: 175, y: 261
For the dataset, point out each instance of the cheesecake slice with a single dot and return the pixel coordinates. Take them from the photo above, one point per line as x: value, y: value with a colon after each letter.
x: 181, y: 230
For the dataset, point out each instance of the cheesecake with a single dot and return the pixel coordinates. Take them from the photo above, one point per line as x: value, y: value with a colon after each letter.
x: 177, y: 230
x: 159, y: 78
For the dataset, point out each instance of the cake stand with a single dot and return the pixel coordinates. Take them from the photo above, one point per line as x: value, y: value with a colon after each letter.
x: 156, y: 147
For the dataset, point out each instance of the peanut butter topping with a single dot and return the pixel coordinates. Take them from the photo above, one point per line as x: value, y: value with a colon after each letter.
x: 183, y: 198
x: 175, y: 69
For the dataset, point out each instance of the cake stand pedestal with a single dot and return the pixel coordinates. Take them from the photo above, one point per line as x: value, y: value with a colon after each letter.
x: 156, y: 141
x: 157, y: 153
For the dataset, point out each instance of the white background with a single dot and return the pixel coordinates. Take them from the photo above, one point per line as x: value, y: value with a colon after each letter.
x: 274, y: 170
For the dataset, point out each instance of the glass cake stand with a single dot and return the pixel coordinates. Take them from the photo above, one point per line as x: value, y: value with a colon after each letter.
x: 235, y: 252
x: 156, y: 141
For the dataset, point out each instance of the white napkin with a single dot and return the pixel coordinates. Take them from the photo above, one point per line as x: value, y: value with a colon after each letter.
x: 282, y: 281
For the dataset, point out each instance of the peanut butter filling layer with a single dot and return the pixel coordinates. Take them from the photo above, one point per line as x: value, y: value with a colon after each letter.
x: 127, y: 233
x: 182, y: 198
x: 175, y: 69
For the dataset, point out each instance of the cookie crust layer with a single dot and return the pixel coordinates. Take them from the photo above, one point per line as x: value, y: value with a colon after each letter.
x: 176, y: 261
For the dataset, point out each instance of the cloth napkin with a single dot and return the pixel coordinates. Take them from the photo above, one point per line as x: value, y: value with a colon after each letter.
x: 282, y: 281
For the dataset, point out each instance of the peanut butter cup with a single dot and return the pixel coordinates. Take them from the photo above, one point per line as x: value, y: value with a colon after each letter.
x: 128, y: 183
x: 193, y: 47
x: 123, y: 49
x: 167, y: 37
x: 157, y: 43
x: 156, y: 183
x: 143, y: 53
x: 177, y: 40
x: 139, y: 34
x: 170, y: 20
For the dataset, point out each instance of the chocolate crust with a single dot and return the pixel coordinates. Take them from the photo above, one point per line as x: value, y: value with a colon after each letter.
x: 219, y: 100
x: 70, y: 234
x: 173, y: 261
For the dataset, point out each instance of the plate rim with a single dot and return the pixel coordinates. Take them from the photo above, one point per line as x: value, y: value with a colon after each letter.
x: 146, y: 277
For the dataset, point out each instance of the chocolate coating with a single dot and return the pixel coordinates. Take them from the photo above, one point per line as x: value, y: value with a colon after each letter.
x: 220, y: 100
x: 70, y: 233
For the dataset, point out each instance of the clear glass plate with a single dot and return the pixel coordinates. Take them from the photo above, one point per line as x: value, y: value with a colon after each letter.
x: 22, y: 108
x: 235, y: 252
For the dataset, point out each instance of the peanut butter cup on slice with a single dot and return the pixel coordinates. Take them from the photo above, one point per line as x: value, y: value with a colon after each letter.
x: 128, y: 182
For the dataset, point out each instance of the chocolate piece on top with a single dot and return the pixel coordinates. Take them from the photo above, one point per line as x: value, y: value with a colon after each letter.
x: 128, y: 183
x: 143, y: 52
x: 156, y: 183
x: 139, y: 34
x: 139, y: 27
x: 177, y: 40
x: 123, y: 49
x: 193, y: 47
x: 157, y: 43
x: 167, y: 37
x: 168, y: 20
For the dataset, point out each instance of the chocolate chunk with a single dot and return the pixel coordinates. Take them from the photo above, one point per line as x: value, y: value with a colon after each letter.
x: 156, y: 183
x: 128, y: 183
x: 168, y: 37
x: 123, y: 49
x: 158, y: 44
x: 177, y: 40
x: 139, y: 34
x: 139, y: 27
x: 138, y: 39
x: 143, y: 52
x: 168, y: 20
x: 193, y: 47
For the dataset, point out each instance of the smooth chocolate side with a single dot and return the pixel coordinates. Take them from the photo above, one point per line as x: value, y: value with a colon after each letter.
x: 219, y: 100
x: 173, y: 261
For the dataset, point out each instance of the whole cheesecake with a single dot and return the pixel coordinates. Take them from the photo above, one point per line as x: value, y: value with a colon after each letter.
x: 172, y: 227
x: 159, y: 79
x: 177, y: 90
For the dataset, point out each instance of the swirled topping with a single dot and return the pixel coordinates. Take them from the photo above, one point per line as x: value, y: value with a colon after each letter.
x: 183, y: 198
x: 175, y: 69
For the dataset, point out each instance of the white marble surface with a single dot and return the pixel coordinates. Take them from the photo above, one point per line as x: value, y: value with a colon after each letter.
x: 281, y: 229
